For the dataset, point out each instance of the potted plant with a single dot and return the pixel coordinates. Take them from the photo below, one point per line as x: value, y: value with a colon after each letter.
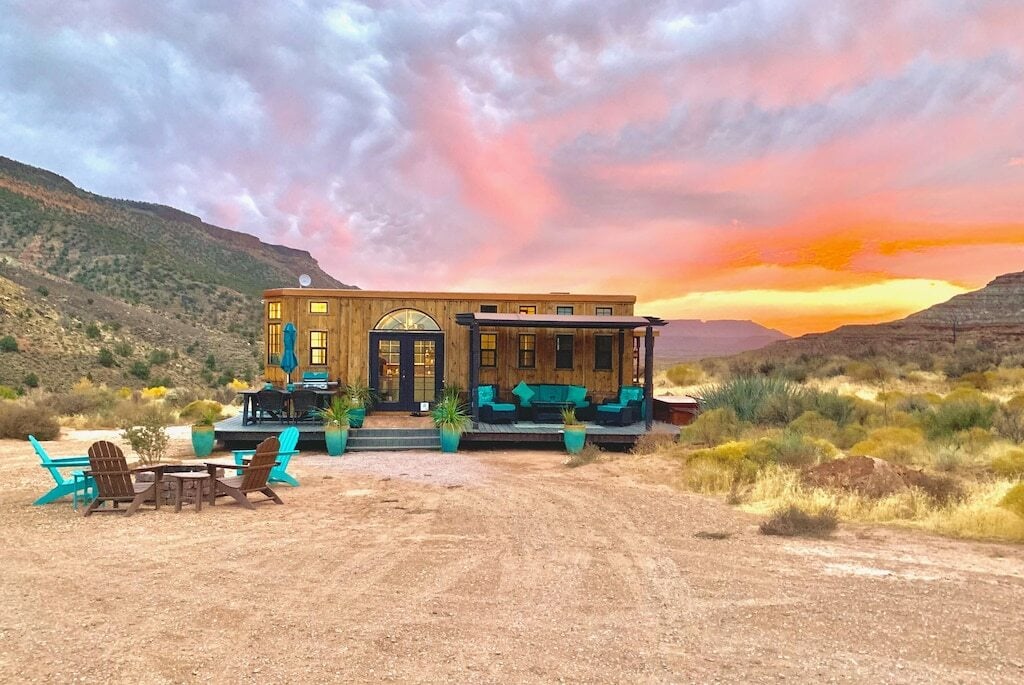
x: 450, y: 418
x: 203, y: 433
x: 336, y: 419
x: 574, y: 431
x: 360, y: 397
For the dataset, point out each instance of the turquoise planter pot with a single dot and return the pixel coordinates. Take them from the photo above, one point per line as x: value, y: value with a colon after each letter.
x: 356, y: 417
x: 336, y: 439
x: 202, y: 440
x: 574, y: 440
x: 450, y: 441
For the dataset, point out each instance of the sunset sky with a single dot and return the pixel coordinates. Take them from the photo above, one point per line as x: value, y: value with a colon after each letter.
x: 800, y: 163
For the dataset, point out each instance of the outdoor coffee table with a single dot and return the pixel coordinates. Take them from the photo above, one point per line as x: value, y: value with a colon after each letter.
x: 199, y: 477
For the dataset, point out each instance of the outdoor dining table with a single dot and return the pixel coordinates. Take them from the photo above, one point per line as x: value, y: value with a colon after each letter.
x: 248, y: 401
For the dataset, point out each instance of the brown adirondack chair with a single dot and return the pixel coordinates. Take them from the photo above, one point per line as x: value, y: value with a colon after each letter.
x: 114, y: 483
x: 254, y: 476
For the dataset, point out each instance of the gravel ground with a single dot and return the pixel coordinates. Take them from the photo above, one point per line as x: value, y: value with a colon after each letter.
x: 487, y: 567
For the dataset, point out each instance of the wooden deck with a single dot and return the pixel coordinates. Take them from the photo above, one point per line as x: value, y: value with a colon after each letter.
x: 233, y: 434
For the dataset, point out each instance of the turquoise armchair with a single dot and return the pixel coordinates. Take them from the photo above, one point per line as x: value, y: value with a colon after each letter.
x: 627, y: 408
x: 79, y: 486
x: 279, y: 474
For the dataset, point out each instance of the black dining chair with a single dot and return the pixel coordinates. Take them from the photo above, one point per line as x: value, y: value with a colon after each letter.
x: 269, y: 404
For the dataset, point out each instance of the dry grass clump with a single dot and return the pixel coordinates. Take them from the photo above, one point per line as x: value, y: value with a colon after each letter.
x: 898, y: 445
x: 199, y: 408
x: 685, y: 374
x: 1010, y: 464
x: 712, y: 427
x: 795, y: 522
x: 19, y: 420
x: 587, y: 455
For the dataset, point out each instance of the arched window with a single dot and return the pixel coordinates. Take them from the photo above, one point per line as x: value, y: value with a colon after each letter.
x: 407, y: 320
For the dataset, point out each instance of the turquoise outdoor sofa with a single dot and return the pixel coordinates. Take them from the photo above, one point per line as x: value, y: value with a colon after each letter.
x: 544, y: 401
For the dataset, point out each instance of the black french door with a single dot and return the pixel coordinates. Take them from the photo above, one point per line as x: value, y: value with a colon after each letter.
x: 406, y: 368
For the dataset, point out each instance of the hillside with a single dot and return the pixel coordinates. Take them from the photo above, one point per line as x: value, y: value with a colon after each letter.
x: 689, y: 339
x: 80, y: 273
x: 991, y: 318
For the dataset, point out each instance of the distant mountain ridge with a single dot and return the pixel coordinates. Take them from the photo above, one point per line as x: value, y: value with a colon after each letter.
x: 992, y: 316
x: 691, y: 339
x: 149, y: 276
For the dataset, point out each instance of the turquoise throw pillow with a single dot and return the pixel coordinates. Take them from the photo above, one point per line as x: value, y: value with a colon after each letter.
x: 485, y: 394
x: 524, y: 392
x: 576, y: 394
x: 630, y: 393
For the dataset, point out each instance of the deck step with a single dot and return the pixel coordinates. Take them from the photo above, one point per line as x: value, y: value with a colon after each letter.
x: 375, y: 439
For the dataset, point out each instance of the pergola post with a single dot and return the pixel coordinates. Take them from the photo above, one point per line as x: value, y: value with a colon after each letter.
x: 474, y: 371
x: 649, y: 377
x: 622, y: 353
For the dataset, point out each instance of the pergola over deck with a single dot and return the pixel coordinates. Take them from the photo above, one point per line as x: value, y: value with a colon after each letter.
x: 474, y: 320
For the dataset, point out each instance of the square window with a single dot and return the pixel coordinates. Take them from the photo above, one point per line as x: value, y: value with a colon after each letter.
x: 488, y: 349
x: 564, y: 310
x: 527, y: 309
x: 563, y: 351
x: 527, y: 351
x: 317, y: 307
x: 602, y: 352
x: 274, y: 343
x: 318, y: 348
x: 488, y: 309
x: 603, y: 311
x: 273, y: 310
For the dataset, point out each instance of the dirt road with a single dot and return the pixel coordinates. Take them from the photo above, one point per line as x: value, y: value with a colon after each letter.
x: 487, y: 567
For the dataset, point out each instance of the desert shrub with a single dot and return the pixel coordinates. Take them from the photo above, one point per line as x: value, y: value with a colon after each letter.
x: 588, y: 454
x: 747, y: 395
x: 105, y: 358
x: 8, y: 344
x: 815, y: 425
x: 971, y: 360
x: 159, y: 357
x: 1009, y: 464
x: 794, y: 521
x: 18, y: 421
x: 1009, y: 420
x: 791, y: 449
x: 685, y: 374
x: 84, y: 398
x: 877, y: 371
x: 946, y: 459
x: 833, y: 406
x: 31, y: 380
x: 1014, y: 500
x: 140, y: 370
x: 973, y: 440
x: 706, y: 476
x: 943, y: 490
x: 651, y: 443
x: 956, y: 415
x: 712, y: 427
x: 237, y: 384
x: 710, y: 464
x: 780, y: 409
x: 899, y: 445
x: 92, y: 331
x: 123, y: 349
x: 148, y: 437
x: 155, y: 392
x: 8, y: 393
x: 199, y: 408
x: 849, y: 435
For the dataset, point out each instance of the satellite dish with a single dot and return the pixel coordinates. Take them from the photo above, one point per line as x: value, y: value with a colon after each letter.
x: 304, y: 281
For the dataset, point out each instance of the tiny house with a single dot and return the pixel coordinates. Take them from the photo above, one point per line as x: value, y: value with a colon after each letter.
x: 407, y: 345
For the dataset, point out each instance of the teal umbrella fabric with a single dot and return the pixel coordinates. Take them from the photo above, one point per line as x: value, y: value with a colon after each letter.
x: 288, y: 360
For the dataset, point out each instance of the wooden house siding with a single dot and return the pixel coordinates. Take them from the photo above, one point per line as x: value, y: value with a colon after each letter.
x: 353, y: 314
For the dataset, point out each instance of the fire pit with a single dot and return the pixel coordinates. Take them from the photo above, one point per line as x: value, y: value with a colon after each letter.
x: 188, y: 495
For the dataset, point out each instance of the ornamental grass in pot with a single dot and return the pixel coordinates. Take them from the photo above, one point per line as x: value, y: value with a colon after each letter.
x: 203, y: 435
x: 574, y: 431
x: 335, y: 417
x: 450, y: 418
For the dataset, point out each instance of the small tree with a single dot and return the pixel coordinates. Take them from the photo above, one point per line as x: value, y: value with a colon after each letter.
x: 8, y: 344
x: 140, y: 370
x: 149, y: 439
x: 31, y: 381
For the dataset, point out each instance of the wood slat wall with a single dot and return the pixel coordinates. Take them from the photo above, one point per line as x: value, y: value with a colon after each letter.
x: 351, y: 315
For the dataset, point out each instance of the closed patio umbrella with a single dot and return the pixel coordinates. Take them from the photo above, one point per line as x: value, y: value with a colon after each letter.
x: 288, y: 360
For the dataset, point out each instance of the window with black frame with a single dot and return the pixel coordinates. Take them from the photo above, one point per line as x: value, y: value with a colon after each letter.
x: 527, y: 351
x: 274, y: 344
x: 318, y: 348
x: 488, y: 349
x: 564, y: 345
x: 602, y: 352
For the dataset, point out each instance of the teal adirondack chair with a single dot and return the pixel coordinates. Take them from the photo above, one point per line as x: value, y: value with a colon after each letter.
x: 79, y: 488
x: 289, y: 438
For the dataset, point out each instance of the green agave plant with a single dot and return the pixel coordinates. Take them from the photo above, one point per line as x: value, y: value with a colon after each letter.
x: 450, y: 414
x: 360, y: 394
x: 569, y: 417
x: 336, y: 413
